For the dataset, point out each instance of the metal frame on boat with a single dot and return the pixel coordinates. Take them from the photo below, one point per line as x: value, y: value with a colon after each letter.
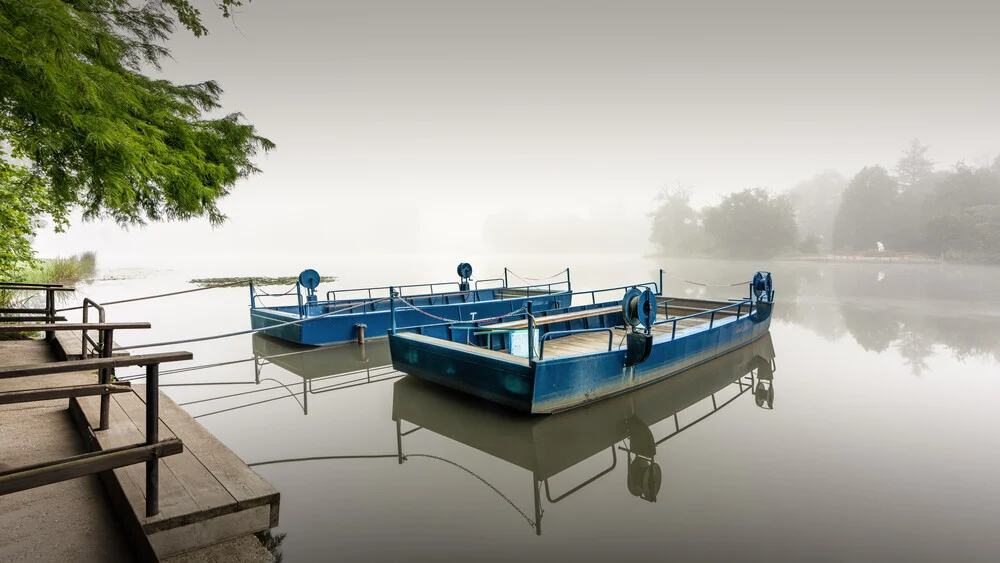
x: 359, y: 314
x: 577, y: 361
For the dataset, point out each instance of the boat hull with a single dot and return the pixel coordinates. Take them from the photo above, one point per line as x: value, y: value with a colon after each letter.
x: 557, y: 384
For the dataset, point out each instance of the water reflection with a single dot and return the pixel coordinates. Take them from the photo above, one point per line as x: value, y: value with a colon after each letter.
x: 906, y: 309
x: 624, y: 427
x: 323, y: 369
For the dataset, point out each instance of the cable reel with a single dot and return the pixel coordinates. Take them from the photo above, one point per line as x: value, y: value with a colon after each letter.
x: 464, y: 271
x: 762, y: 295
x: 309, y: 279
x: 639, y: 308
x: 762, y: 288
x: 639, y: 312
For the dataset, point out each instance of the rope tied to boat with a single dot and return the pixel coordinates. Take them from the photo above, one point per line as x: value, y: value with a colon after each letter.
x: 252, y: 330
x: 528, y: 280
x: 453, y: 321
x: 259, y: 292
x: 221, y: 364
x: 704, y: 284
x: 484, y: 481
x: 231, y: 284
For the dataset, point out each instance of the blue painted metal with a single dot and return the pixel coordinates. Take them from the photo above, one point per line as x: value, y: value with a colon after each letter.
x: 547, y: 385
x: 334, y: 320
x: 309, y: 278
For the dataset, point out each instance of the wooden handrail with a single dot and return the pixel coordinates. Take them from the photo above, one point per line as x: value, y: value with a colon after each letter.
x: 93, y: 363
x: 34, y: 287
x: 44, y: 394
x: 30, y: 319
x: 21, y: 478
x: 71, y: 326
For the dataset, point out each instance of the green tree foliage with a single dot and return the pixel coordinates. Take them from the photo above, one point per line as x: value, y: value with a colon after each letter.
x: 23, y: 203
x: 751, y: 223
x: 675, y: 223
x: 94, y: 131
x: 868, y: 202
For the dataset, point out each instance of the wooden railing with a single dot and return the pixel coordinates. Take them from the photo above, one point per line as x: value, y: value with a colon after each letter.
x: 27, y: 477
x: 45, y: 314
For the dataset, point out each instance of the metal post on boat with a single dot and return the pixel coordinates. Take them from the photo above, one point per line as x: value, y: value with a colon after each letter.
x: 298, y: 292
x: 253, y: 297
x: 661, y: 281
x: 531, y: 331
x: 569, y: 282
x: 505, y: 284
x: 392, y: 310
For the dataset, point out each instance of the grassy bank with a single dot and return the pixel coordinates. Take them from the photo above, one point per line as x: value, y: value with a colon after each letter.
x: 66, y: 271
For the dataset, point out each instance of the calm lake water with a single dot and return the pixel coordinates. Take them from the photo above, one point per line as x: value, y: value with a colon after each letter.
x: 862, y: 430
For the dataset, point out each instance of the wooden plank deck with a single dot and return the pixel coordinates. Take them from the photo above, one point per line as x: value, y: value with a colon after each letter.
x: 207, y: 494
x: 588, y: 342
x: 68, y: 345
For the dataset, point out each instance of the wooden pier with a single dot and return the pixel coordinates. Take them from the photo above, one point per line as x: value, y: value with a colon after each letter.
x: 170, y: 488
x: 207, y: 494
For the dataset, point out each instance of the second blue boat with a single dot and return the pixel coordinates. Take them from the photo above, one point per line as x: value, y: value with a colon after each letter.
x: 348, y: 315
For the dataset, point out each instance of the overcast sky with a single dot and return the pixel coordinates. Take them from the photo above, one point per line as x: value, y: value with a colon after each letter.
x: 409, y: 124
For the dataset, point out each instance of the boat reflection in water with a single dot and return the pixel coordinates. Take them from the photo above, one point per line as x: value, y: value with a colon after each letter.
x: 548, y: 445
x: 324, y: 369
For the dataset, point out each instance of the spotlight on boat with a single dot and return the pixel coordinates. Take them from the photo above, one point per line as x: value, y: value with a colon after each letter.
x: 309, y: 279
x: 464, y: 272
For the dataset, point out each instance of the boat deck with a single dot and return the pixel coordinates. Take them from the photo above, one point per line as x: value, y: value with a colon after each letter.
x: 588, y: 342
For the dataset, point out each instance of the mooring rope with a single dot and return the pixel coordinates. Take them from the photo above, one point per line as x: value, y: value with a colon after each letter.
x: 484, y: 481
x: 387, y: 370
x: 250, y: 331
x: 529, y: 280
x: 704, y: 284
x: 220, y: 364
x: 453, y: 321
x: 345, y: 386
x: 160, y: 295
x: 396, y: 456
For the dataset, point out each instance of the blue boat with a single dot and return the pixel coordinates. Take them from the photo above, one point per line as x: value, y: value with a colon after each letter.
x: 348, y: 315
x: 560, y: 358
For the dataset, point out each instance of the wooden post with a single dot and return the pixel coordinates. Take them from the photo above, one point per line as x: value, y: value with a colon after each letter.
x: 152, y: 437
x: 105, y: 378
x: 50, y: 311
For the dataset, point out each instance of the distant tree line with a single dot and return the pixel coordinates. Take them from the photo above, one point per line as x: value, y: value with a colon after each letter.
x: 954, y: 214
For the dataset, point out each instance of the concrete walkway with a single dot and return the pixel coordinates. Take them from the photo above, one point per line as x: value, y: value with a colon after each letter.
x: 67, y: 521
x: 72, y: 520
